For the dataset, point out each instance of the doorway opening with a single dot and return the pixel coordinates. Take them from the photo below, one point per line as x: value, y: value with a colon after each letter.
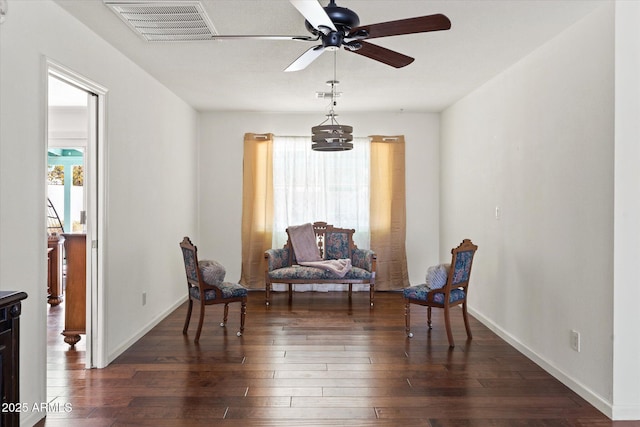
x: 75, y: 194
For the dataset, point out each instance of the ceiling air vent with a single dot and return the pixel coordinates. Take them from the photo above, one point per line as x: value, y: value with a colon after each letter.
x: 162, y: 21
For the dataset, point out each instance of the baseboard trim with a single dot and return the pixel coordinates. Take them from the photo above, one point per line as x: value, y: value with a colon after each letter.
x: 626, y: 412
x: 593, y: 398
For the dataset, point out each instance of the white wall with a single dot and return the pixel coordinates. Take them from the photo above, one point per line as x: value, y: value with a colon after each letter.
x: 626, y: 342
x: 537, y: 141
x: 151, y: 169
x: 222, y: 133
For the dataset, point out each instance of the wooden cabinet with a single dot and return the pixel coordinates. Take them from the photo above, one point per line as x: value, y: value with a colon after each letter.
x: 54, y: 279
x: 75, y: 246
x: 10, y: 309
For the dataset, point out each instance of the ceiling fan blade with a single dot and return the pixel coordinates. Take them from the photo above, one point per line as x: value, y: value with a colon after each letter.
x: 314, y: 13
x: 382, y: 54
x: 305, y: 59
x: 262, y: 37
x: 420, y: 24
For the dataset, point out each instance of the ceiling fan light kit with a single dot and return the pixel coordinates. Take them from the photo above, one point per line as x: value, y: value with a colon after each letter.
x: 330, y: 139
x: 332, y: 136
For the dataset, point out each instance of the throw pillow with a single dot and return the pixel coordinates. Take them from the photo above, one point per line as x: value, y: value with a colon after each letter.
x: 212, y: 272
x: 437, y: 276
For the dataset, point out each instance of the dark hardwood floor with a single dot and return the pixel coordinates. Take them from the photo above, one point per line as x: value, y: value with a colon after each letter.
x: 320, y: 361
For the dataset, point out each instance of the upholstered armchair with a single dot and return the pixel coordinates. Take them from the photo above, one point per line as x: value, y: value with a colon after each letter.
x: 206, y: 286
x: 447, y: 286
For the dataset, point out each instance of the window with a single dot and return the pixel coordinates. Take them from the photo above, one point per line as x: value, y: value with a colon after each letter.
x: 320, y: 186
x: 382, y: 174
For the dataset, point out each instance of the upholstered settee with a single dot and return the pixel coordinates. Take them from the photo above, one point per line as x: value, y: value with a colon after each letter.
x: 334, y: 245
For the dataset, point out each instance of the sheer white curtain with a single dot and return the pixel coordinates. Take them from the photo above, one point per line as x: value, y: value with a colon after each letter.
x: 320, y: 186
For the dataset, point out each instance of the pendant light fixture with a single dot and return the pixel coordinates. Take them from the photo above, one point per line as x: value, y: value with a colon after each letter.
x: 330, y: 135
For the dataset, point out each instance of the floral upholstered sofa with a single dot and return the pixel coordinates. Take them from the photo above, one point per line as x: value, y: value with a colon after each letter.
x: 334, y: 245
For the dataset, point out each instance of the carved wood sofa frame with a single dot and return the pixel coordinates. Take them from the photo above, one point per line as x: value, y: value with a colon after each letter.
x: 281, y: 265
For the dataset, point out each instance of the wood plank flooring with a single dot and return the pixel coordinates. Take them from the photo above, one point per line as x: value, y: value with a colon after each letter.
x: 318, y: 361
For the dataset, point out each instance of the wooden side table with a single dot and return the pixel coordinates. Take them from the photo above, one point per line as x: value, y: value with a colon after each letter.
x: 55, y: 245
x: 75, y: 317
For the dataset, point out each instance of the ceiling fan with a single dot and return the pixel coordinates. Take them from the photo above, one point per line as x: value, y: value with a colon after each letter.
x: 333, y: 26
x: 338, y: 27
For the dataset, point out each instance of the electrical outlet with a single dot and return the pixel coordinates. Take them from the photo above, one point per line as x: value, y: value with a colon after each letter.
x: 144, y: 298
x: 498, y: 213
x: 575, y: 340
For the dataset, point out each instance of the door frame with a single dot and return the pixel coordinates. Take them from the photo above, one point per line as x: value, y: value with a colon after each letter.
x: 95, y: 182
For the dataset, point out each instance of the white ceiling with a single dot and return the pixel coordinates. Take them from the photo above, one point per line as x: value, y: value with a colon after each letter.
x: 486, y: 37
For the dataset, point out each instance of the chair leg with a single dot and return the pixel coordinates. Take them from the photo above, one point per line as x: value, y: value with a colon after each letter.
x: 407, y: 318
x: 466, y: 320
x: 429, y: 317
x: 290, y: 292
x: 350, y: 290
x: 267, y: 291
x: 226, y: 314
x: 447, y: 324
x: 188, y: 319
x: 200, y: 323
x: 371, y: 294
x: 243, y: 314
